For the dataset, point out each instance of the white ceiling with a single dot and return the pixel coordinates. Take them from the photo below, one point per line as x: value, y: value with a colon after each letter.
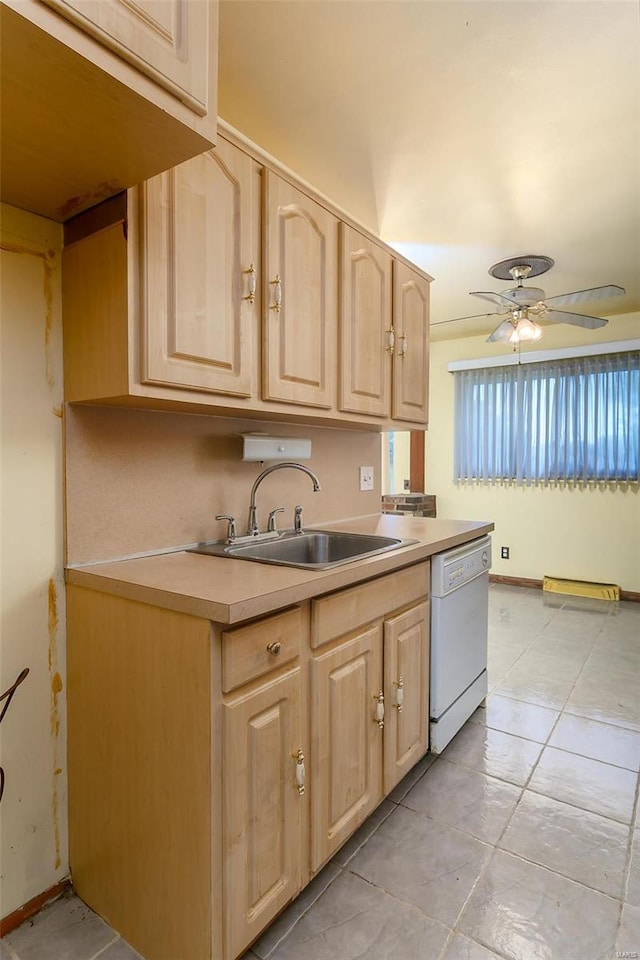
x: 462, y: 132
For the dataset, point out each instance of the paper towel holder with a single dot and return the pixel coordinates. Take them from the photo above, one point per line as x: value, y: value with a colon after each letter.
x: 261, y: 447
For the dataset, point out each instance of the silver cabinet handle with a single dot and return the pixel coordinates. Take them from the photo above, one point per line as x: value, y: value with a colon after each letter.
x: 277, y: 293
x: 251, y: 283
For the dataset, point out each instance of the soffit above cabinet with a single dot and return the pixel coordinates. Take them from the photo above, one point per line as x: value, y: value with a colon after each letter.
x: 80, y: 122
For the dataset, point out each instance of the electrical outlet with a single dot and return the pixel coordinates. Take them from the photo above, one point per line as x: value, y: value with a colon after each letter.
x: 504, y: 553
x: 406, y: 484
x: 366, y: 478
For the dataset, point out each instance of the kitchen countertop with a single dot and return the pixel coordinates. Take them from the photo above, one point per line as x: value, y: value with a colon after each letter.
x: 229, y: 591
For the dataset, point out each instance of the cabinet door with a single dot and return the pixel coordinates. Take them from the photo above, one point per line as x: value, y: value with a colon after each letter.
x: 346, y: 739
x: 411, y: 356
x: 406, y: 686
x: 300, y: 297
x: 198, y: 250
x: 168, y: 41
x: 262, y: 839
x: 365, y: 325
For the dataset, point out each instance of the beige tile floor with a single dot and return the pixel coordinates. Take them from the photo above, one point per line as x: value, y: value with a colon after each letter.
x: 522, y: 841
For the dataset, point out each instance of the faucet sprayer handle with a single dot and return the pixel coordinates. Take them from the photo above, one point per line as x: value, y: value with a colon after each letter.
x: 271, y: 523
x: 297, y: 519
x: 231, y: 526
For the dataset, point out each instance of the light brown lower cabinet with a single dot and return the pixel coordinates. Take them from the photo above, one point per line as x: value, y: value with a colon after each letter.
x: 406, y: 685
x: 213, y: 770
x: 369, y: 701
x: 347, y: 754
x: 261, y: 806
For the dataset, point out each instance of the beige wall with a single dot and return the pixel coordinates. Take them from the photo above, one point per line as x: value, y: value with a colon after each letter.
x: 33, y: 811
x: 139, y: 481
x: 587, y: 534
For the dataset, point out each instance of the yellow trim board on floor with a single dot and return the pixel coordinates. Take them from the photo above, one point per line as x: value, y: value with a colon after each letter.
x: 581, y: 588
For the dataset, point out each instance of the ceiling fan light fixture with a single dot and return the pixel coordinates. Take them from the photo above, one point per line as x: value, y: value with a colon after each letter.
x: 504, y: 333
x: 526, y: 330
x: 517, y: 330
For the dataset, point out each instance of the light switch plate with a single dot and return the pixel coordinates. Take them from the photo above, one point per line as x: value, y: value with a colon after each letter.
x: 366, y: 478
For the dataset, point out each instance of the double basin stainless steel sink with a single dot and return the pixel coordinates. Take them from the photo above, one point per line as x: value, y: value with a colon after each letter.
x: 312, y: 550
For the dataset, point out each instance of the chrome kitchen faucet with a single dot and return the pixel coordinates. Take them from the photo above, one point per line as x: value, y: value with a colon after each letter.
x: 252, y: 527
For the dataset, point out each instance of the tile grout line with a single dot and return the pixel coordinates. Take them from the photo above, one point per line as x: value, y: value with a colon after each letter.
x: 627, y: 869
x: 557, y: 721
x: 411, y: 903
x: 563, y: 876
x: 553, y: 746
x: 295, y: 923
x: 12, y: 954
x: 523, y: 788
x: 574, y: 806
x: 100, y: 952
x: 345, y: 867
x: 563, y: 709
x: 456, y: 927
x: 526, y: 786
x: 493, y: 848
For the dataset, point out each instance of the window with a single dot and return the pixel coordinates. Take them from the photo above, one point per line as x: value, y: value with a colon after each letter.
x: 563, y: 420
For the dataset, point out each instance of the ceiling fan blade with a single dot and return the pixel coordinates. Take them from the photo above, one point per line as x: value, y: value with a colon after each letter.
x: 579, y: 296
x: 476, y: 316
x: 577, y: 319
x: 500, y: 300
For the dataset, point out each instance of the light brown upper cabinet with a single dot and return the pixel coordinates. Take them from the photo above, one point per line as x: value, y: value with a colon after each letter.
x: 99, y: 95
x: 300, y: 297
x: 411, y: 353
x: 198, y: 274
x: 366, y: 334
x: 214, y: 287
x: 384, y: 332
x: 166, y: 41
x: 165, y: 300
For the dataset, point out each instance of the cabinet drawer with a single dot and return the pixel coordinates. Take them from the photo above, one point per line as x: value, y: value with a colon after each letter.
x: 336, y: 614
x: 248, y: 652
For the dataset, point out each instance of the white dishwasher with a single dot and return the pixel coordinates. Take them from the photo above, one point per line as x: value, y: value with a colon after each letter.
x: 459, y: 621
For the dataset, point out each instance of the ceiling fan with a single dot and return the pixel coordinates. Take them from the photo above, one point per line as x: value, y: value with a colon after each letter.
x: 522, y: 306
